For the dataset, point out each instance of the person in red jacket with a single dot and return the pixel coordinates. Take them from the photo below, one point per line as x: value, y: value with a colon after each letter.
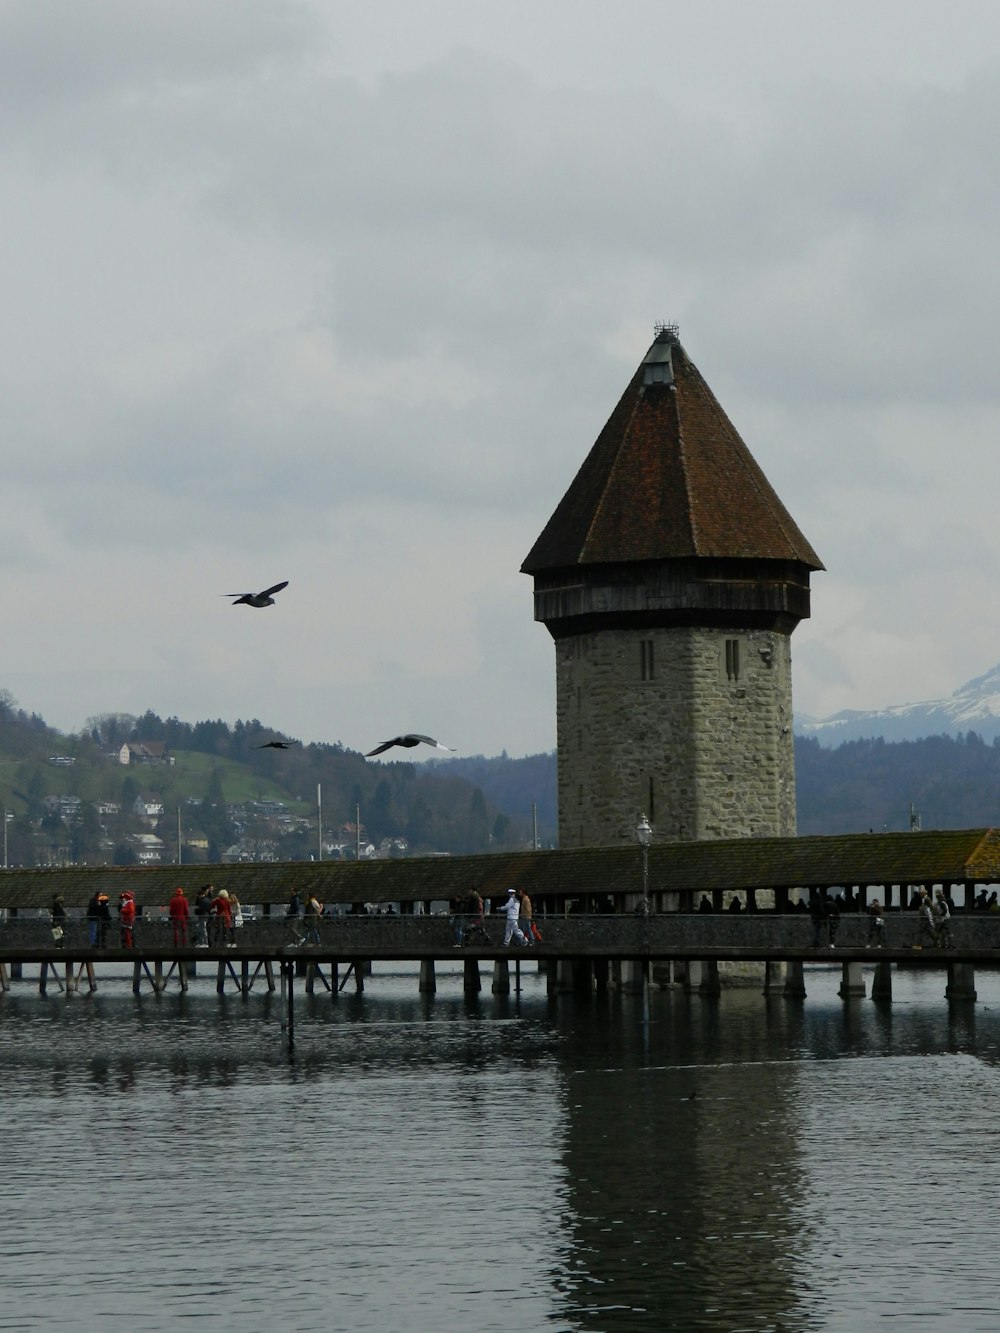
x: 179, y: 912
x: 126, y: 919
x: 223, y: 909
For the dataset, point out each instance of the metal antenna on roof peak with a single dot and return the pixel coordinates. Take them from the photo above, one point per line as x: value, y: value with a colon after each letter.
x: 661, y: 332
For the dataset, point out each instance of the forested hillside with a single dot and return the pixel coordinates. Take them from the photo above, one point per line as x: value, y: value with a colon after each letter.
x: 72, y: 800
x: 951, y: 782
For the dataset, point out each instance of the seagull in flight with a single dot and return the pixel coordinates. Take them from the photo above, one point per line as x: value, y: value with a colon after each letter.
x: 275, y: 745
x: 408, y: 741
x: 264, y: 598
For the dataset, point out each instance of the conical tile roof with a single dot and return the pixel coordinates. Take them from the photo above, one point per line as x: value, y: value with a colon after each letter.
x: 668, y: 478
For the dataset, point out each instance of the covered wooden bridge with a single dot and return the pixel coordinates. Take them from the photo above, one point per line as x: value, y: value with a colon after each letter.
x: 883, y: 865
x: 599, y: 927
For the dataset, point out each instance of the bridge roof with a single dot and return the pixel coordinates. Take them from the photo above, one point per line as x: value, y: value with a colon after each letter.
x: 948, y: 856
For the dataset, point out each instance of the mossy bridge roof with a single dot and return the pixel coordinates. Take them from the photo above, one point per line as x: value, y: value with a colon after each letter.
x: 970, y: 856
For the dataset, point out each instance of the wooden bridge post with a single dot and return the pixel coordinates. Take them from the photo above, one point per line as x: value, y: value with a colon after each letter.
x: 4, y: 978
x: 91, y: 977
x: 698, y: 979
x: 601, y: 970
x: 55, y: 973
x: 774, y: 977
x: 472, y: 982
x: 269, y: 975
x: 501, y: 977
x: 961, y: 982
x: 795, y: 981
x: 15, y: 968
x: 710, y: 983
x: 882, y: 982
x: 136, y: 978
x: 634, y: 976
x: 70, y: 978
x: 564, y: 976
x: 428, y: 980
x: 158, y: 982
x: 692, y: 976
x: 852, y: 982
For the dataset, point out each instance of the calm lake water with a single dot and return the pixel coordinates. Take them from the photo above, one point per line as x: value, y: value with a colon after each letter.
x: 437, y: 1164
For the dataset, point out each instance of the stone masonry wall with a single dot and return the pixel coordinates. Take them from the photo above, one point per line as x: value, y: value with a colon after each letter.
x: 673, y: 724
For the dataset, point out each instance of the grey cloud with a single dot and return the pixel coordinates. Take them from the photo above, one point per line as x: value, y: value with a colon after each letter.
x: 59, y: 54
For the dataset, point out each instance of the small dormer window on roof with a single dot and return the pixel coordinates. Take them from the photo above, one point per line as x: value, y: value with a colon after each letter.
x: 658, y: 366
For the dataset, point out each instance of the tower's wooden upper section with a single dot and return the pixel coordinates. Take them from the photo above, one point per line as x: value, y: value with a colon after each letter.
x: 671, y: 509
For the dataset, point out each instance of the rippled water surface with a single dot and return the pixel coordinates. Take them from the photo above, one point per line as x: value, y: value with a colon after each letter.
x: 437, y: 1163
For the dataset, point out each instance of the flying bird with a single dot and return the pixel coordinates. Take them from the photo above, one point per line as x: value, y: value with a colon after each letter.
x: 275, y: 745
x: 408, y: 741
x: 264, y: 598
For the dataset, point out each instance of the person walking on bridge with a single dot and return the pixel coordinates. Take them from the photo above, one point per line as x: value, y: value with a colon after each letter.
x: 223, y: 909
x: 292, y: 913
x: 819, y: 912
x: 126, y: 919
x: 202, y: 912
x: 942, y: 921
x: 526, y: 918
x: 925, y: 921
x: 512, y: 929
x: 57, y: 913
x: 103, y: 920
x: 876, y: 926
x: 312, y: 915
x: 94, y: 919
x: 179, y: 911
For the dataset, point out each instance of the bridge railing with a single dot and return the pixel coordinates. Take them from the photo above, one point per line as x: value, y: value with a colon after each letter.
x: 584, y: 933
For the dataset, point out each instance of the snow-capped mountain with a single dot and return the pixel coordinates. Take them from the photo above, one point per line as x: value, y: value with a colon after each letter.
x: 975, y: 706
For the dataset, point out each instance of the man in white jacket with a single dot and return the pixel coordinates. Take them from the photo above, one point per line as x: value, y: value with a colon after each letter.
x: 512, y: 928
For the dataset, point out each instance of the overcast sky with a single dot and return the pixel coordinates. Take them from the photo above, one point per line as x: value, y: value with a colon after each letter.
x: 343, y: 295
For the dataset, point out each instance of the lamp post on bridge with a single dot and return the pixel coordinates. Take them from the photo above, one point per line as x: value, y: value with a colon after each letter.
x: 644, y: 836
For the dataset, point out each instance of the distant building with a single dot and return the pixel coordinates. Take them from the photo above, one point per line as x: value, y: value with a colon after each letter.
x: 66, y: 807
x: 148, y: 848
x: 144, y: 752
x: 146, y: 808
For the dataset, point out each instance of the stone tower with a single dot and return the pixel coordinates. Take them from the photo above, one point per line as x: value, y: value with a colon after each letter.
x: 671, y: 577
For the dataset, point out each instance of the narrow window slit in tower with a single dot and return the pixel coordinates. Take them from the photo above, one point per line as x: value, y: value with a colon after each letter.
x: 732, y: 659
x: 646, y: 661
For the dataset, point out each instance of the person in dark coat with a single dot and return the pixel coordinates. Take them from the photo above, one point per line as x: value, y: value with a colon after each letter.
x: 103, y: 920
x: 202, y: 912
x: 94, y: 919
x: 57, y: 914
x: 819, y: 914
x: 292, y: 913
